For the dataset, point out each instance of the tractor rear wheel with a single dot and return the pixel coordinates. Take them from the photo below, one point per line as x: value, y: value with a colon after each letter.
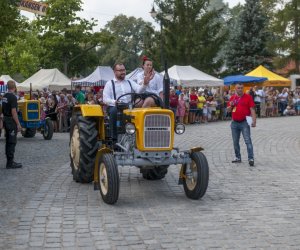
x: 156, y: 173
x: 196, y: 180
x: 109, y: 178
x: 83, y: 147
x: 48, y: 129
x: 29, y: 132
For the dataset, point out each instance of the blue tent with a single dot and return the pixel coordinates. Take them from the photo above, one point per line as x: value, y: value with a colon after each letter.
x: 229, y: 80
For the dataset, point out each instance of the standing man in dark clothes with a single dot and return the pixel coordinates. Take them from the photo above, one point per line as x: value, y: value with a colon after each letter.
x: 11, y: 124
x: 242, y: 107
x: 252, y: 92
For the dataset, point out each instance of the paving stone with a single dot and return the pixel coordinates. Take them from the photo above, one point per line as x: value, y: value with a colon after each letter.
x: 43, y: 208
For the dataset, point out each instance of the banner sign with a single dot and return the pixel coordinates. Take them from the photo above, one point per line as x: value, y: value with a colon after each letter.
x: 34, y: 7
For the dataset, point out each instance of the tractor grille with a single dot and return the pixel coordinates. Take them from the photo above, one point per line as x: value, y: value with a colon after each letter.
x: 157, y: 133
x: 33, y: 111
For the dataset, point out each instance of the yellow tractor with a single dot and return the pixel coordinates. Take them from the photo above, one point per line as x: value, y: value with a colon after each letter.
x: 145, y: 140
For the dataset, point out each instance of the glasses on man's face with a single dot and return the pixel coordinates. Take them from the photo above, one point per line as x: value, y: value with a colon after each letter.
x: 120, y: 70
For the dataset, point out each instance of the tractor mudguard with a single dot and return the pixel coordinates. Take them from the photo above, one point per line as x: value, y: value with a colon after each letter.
x: 196, y: 149
x: 89, y: 110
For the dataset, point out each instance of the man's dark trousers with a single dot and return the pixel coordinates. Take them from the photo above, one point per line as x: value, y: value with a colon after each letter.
x: 257, y: 107
x: 11, y: 138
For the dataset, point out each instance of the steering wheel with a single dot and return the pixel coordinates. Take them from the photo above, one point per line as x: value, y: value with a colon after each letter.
x: 139, y: 97
x: 124, y: 105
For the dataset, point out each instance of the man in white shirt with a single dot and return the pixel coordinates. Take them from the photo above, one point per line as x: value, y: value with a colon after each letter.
x: 283, y: 100
x: 155, y: 85
x: 115, y: 88
x: 258, y: 99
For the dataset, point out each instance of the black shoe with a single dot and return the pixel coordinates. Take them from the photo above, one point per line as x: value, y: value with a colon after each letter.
x: 251, y: 162
x: 13, y: 165
x: 237, y: 160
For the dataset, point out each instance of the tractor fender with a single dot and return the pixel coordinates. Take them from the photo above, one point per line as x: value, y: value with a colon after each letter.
x: 196, y: 149
x: 100, y: 152
x: 181, y: 175
x: 89, y: 110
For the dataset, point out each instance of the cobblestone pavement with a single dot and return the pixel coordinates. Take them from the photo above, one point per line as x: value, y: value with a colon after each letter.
x: 244, y: 207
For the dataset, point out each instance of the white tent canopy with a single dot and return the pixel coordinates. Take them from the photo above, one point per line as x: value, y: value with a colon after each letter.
x: 99, y: 77
x: 295, y: 79
x: 133, y: 75
x: 5, y: 79
x: 189, y: 76
x: 52, y: 79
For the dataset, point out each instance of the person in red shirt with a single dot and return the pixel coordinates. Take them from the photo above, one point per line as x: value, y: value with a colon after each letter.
x: 193, y: 106
x: 242, y: 108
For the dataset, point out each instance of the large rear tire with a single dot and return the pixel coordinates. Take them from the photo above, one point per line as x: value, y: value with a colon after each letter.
x: 109, y: 179
x: 156, y: 173
x: 83, y: 147
x: 196, y: 182
x: 48, y: 129
x: 29, y: 132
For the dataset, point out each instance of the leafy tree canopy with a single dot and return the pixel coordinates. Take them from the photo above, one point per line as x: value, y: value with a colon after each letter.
x: 66, y: 37
x: 131, y: 37
x: 194, y: 35
x: 10, y: 19
x: 247, y: 44
x: 21, y: 54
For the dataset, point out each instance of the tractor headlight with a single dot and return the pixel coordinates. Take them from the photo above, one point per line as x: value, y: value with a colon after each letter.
x: 130, y: 128
x: 179, y: 128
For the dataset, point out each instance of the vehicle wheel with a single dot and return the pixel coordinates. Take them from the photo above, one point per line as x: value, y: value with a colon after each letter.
x: 83, y: 148
x: 109, y: 179
x: 48, y: 130
x: 195, y: 183
x: 29, y: 132
x: 156, y: 173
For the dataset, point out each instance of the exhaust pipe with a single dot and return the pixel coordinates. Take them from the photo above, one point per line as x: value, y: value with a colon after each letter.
x: 166, y: 88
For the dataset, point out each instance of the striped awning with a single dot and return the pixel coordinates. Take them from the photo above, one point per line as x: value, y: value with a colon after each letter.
x: 99, y: 77
x: 89, y: 84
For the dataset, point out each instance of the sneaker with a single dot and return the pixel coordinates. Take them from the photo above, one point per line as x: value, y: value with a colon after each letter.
x: 13, y: 165
x: 237, y: 160
x: 251, y: 162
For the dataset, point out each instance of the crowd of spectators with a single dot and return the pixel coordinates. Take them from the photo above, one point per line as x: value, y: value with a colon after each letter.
x: 190, y: 105
x: 204, y: 105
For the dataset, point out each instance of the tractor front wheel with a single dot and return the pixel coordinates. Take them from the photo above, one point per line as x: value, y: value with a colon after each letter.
x: 48, y: 129
x: 196, y: 176
x: 109, y: 178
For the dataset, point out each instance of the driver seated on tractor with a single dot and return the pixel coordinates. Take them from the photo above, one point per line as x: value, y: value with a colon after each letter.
x: 154, y: 86
x: 114, y: 89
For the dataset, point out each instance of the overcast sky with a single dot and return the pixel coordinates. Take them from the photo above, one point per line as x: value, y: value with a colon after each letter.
x: 104, y: 11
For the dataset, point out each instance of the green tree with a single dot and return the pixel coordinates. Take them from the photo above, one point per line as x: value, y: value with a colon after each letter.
x: 67, y: 38
x: 21, y: 54
x: 247, y: 46
x: 195, y: 34
x: 9, y: 21
x: 132, y: 39
x: 285, y: 24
